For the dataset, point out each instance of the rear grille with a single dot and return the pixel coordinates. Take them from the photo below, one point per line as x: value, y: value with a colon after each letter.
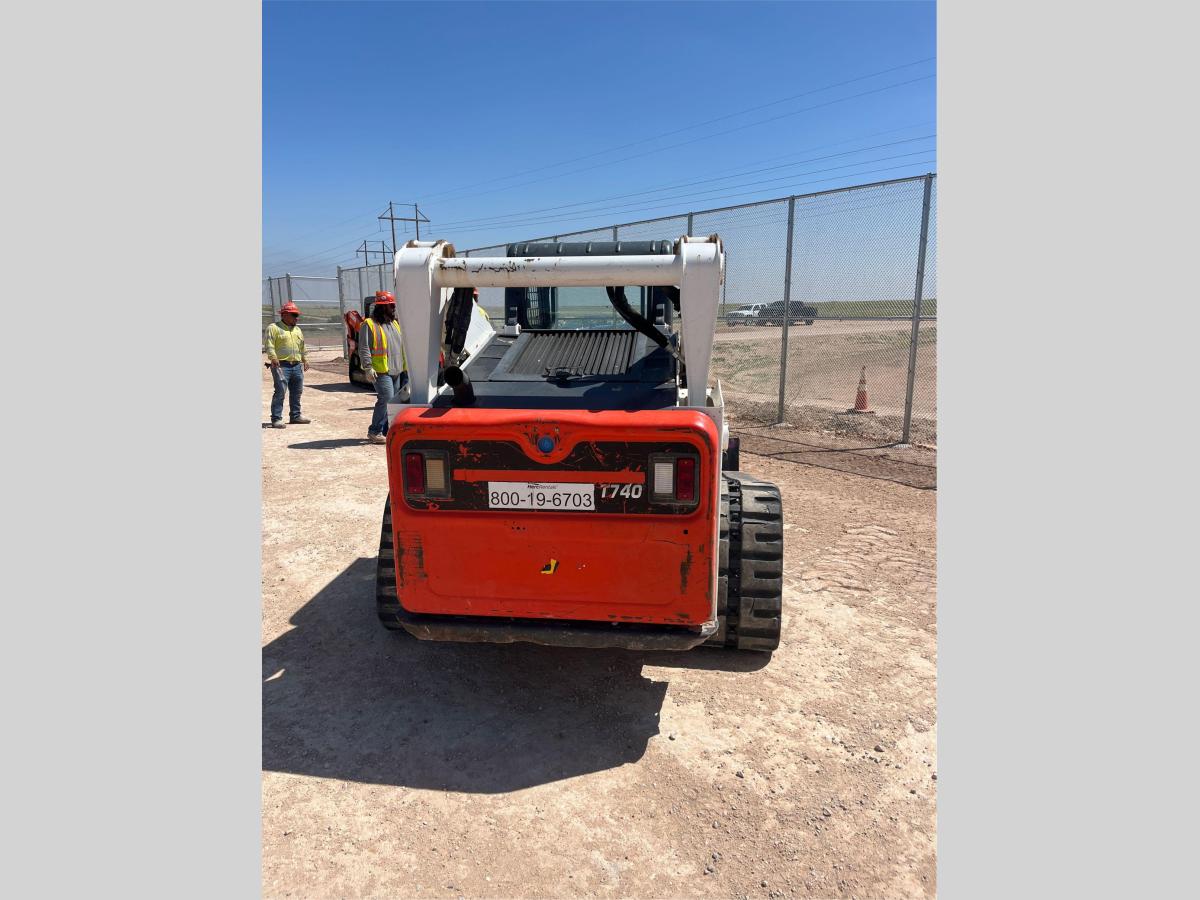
x: 579, y: 353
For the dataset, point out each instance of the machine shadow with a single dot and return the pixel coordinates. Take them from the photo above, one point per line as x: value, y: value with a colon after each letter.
x: 328, y: 444
x: 338, y: 387
x: 712, y: 659
x: 343, y: 698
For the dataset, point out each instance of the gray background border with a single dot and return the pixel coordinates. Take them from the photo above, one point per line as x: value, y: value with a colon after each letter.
x: 1067, y: 179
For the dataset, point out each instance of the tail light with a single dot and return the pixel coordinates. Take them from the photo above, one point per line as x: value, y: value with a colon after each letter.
x: 425, y: 474
x: 414, y: 473
x: 674, y: 479
x: 685, y: 479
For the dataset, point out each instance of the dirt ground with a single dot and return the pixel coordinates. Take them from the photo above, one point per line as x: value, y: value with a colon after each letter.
x: 393, y: 767
x: 825, y: 361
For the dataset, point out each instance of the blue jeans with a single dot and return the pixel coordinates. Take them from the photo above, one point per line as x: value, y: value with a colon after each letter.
x: 386, y: 389
x: 288, y: 377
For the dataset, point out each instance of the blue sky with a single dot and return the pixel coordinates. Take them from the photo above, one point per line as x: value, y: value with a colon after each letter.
x: 515, y: 120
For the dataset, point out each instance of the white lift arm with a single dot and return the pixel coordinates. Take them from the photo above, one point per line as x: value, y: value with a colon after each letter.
x: 425, y: 271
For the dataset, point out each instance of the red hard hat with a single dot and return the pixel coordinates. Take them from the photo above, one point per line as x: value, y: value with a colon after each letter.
x: 290, y: 307
x: 384, y: 298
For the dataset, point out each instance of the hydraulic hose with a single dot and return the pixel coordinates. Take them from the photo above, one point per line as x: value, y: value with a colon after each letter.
x: 464, y: 393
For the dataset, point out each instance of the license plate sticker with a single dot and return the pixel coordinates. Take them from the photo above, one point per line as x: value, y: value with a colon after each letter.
x: 541, y: 495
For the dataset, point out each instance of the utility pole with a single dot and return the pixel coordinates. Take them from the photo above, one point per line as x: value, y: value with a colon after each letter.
x: 367, y: 251
x: 416, y: 218
x: 391, y: 218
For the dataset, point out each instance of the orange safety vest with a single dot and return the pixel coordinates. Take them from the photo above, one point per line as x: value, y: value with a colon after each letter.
x: 377, y: 340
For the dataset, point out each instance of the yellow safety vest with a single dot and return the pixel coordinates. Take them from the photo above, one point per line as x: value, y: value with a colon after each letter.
x: 379, y: 351
x: 285, y: 344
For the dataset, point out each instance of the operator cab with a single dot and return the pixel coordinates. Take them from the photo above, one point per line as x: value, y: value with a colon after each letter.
x: 581, y: 308
x: 590, y: 348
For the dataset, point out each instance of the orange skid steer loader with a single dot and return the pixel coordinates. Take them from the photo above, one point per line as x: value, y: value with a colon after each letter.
x: 573, y: 481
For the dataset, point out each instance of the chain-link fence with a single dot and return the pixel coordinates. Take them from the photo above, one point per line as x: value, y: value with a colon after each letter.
x: 818, y: 295
x: 316, y: 297
x: 355, y: 285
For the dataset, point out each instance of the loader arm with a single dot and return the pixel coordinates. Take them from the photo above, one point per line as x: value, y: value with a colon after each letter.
x: 426, y: 271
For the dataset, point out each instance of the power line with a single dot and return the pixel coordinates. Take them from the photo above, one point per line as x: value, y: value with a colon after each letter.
x: 672, y: 201
x: 322, y: 253
x: 488, y: 219
x: 748, y: 202
x: 387, y: 215
x: 860, y: 137
x: 688, y: 196
x: 706, y: 137
x: 345, y: 257
x: 672, y: 146
x: 682, y: 184
x: 319, y: 253
x: 686, y: 127
x: 322, y: 231
x: 341, y: 251
x: 291, y: 260
x: 283, y: 254
x: 316, y: 252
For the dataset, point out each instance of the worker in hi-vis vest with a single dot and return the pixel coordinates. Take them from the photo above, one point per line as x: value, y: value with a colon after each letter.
x: 287, y: 358
x: 381, y: 353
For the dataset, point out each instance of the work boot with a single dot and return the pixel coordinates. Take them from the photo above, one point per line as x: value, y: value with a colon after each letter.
x: 299, y: 420
x: 277, y: 423
x: 376, y: 439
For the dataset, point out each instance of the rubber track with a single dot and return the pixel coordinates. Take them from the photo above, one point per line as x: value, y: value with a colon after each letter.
x: 386, y: 602
x: 723, y: 575
x: 750, y: 606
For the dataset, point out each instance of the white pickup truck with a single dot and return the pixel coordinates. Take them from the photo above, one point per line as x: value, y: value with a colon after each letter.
x: 747, y: 315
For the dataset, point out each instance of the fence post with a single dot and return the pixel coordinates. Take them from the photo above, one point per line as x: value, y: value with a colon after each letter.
x: 689, y: 225
x: 787, y: 303
x: 916, y: 317
x: 289, y: 286
x: 342, y: 313
x: 615, y: 238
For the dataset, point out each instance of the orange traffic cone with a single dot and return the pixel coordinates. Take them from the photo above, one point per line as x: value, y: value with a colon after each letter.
x: 860, y: 402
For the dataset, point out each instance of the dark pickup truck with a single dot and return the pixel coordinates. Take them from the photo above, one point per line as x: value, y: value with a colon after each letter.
x: 772, y: 314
